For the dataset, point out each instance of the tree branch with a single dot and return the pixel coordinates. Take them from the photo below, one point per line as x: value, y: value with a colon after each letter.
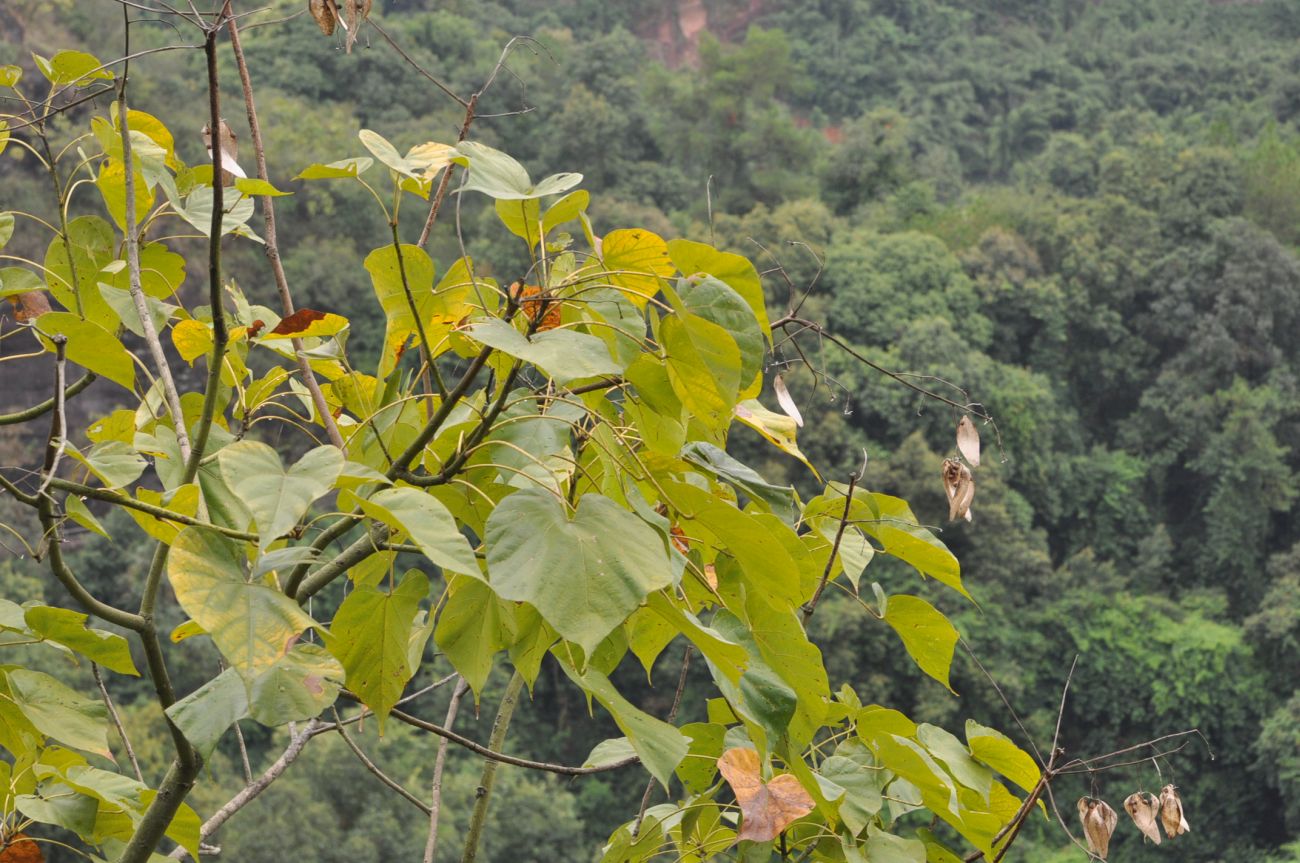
x: 483, y: 793
x: 435, y: 803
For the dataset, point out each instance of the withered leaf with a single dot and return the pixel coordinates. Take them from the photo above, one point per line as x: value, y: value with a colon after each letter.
x: 297, y: 322
x: 30, y: 305
x: 324, y: 13
x: 959, y: 486
x: 766, y: 808
x: 1143, y: 808
x: 786, y: 402
x: 532, y: 304
x: 1171, y: 812
x: 1099, y: 822
x: 968, y: 441
x: 20, y: 849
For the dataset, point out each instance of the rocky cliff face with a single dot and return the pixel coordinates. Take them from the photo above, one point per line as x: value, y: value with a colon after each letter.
x: 675, y: 34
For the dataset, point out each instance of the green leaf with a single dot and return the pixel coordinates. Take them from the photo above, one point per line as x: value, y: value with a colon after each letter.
x: 612, y: 751
x: 16, y: 280
x: 72, y: 67
x: 6, y: 228
x: 585, y: 574
x: 277, y: 498
x: 254, y: 186
x: 887, y: 848
x: 902, y: 536
x: 385, y: 152
x: 10, y: 75
x: 700, y: 765
x: 995, y: 749
x: 115, y: 463
x: 90, y: 345
x: 715, y: 301
x: 59, y: 712
x: 703, y: 365
x: 93, y: 246
x: 779, y: 499
x: 197, y: 210
x: 68, y: 628
x: 473, y: 626
x: 251, y: 624
x: 370, y: 635
x: 429, y: 524
x: 949, y: 750
x: 354, y: 167
x: 204, y: 715
x: 76, y: 509
x: 862, y: 781
x: 928, y: 636
x: 523, y: 218
x: 563, y: 354
x: 298, y: 687
x: 727, y: 656
x: 499, y: 176
x: 737, y: 271
x: 660, y: 746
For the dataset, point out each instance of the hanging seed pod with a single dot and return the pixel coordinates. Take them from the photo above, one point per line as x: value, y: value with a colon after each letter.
x: 785, y: 401
x: 1099, y: 822
x: 1144, y: 809
x: 356, y: 12
x: 1171, y: 812
x: 968, y: 441
x: 323, y: 12
x: 959, y: 486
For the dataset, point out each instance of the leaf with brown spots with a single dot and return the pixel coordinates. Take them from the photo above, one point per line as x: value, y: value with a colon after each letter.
x: 766, y: 808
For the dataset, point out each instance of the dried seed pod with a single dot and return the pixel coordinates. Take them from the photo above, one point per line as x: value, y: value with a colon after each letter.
x: 1171, y: 812
x: 1099, y: 822
x: 786, y: 402
x: 968, y: 441
x: 356, y: 12
x: 229, y: 151
x: 1144, y: 809
x: 324, y: 13
x: 959, y: 486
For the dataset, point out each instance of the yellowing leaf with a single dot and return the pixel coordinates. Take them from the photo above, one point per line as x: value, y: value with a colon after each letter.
x: 766, y: 808
x: 928, y: 636
x: 636, y: 260
x: 776, y: 428
x: 307, y: 323
x: 192, y: 339
x: 430, y: 158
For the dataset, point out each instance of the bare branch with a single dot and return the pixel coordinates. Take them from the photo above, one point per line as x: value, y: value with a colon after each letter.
x: 117, y: 721
x: 435, y: 804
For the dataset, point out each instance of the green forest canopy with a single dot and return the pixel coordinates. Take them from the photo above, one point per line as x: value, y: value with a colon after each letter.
x: 1083, y: 215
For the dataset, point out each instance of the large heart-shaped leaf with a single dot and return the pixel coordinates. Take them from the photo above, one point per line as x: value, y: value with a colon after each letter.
x: 928, y: 636
x: 371, y: 636
x: 429, y: 524
x: 251, y: 624
x: 584, y: 574
x: 277, y: 498
x: 563, y: 354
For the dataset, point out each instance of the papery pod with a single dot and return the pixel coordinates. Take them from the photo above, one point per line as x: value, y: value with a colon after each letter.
x: 356, y: 12
x: 959, y: 486
x: 324, y: 13
x: 1099, y: 822
x: 968, y: 441
x: 1171, y: 812
x: 1143, y: 809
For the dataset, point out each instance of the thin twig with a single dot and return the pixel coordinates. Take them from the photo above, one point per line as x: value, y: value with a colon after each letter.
x: 117, y: 721
x: 483, y: 794
x: 271, y: 246
x: 435, y: 802
x: 375, y: 770
x: 811, y: 605
x: 58, y: 440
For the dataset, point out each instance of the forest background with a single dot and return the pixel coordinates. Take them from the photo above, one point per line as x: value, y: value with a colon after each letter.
x: 1086, y: 215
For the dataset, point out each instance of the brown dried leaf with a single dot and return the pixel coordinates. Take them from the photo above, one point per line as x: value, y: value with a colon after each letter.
x: 532, y: 304
x: 959, y: 486
x: 767, y: 808
x: 968, y: 441
x: 323, y: 12
x: 297, y: 322
x: 1099, y: 822
x: 1143, y: 808
x: 680, y: 541
x: 29, y: 305
x: 786, y: 402
x: 1171, y: 812
x: 20, y: 849
x: 711, y: 575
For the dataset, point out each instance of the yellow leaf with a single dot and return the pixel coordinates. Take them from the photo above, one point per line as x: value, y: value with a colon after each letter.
x: 636, y: 259
x: 192, y: 339
x: 779, y: 429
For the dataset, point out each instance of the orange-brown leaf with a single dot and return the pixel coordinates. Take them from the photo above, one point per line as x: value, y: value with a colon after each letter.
x: 29, y: 305
x: 21, y: 850
x: 766, y: 808
x: 532, y: 305
x: 297, y: 322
